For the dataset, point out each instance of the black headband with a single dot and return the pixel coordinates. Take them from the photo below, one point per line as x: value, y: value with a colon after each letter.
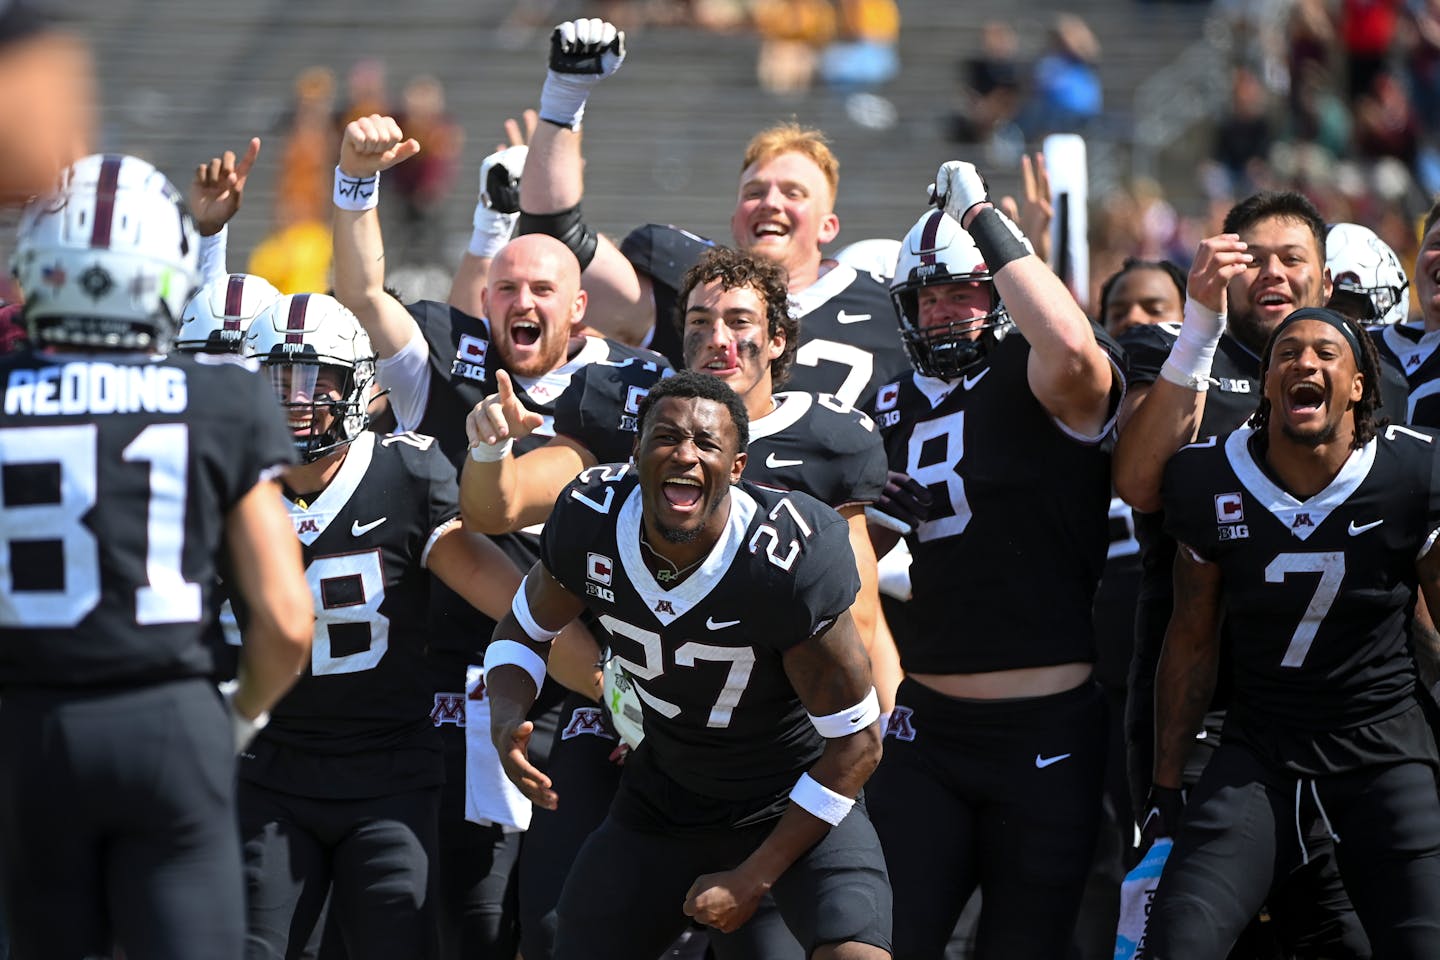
x: 1334, y: 318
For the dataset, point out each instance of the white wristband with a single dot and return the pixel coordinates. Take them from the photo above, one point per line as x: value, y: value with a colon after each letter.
x: 484, y: 452
x: 520, y: 610
x: 492, y: 230
x: 562, y: 99
x: 1193, y: 354
x: 820, y: 800
x: 356, y: 193
x: 849, y: 720
x: 502, y: 652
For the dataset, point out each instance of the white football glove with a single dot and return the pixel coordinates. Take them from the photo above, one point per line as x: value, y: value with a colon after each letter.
x: 243, y: 729
x: 582, y: 53
x: 958, y: 186
x: 499, y: 205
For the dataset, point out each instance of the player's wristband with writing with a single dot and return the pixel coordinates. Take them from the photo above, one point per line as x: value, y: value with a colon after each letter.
x: 820, y: 800
x: 356, y: 193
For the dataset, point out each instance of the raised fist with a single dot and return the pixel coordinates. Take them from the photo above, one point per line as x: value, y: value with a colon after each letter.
x: 500, y: 179
x: 592, y: 47
x: 372, y: 144
x: 958, y: 187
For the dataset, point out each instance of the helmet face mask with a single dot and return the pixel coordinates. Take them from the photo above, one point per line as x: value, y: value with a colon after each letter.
x: 322, y: 367
x: 218, y: 317
x: 1369, y: 280
x: 108, y: 260
x: 937, y: 251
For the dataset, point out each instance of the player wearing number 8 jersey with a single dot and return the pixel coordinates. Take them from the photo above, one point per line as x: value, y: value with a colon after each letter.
x: 728, y: 606
x: 125, y: 476
x: 995, y: 756
x: 340, y: 792
x: 1312, y: 529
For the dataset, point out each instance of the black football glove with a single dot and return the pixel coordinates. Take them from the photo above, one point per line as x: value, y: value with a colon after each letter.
x: 1163, y: 809
x: 905, y: 499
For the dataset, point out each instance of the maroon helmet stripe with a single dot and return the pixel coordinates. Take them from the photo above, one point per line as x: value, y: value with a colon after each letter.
x: 295, y: 320
x: 234, y: 300
x: 928, y: 235
x: 105, y: 200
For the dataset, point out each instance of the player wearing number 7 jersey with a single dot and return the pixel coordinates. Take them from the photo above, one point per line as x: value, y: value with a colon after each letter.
x: 1312, y: 529
x: 994, y: 772
x: 728, y: 606
x: 125, y: 476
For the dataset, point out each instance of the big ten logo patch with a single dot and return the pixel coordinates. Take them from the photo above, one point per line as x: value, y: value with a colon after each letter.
x: 450, y: 708
x: 598, y: 571
x: 470, y: 357
x: 886, y: 400
x: 633, y: 396
x: 585, y: 720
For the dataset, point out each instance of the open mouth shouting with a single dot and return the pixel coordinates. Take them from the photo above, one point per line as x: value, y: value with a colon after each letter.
x: 683, y: 493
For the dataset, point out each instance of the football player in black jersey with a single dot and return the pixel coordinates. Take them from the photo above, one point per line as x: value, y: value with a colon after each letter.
x: 734, y: 791
x: 128, y: 476
x: 735, y: 327
x: 1413, y: 345
x: 1283, y: 235
x: 340, y: 791
x: 785, y: 210
x: 1313, y: 530
x: 996, y: 751
x: 438, y: 362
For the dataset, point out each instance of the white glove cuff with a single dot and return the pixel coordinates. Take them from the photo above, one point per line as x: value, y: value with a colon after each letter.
x: 1193, y: 354
x: 241, y: 728
x: 562, y: 99
x: 356, y: 193
x: 492, y: 230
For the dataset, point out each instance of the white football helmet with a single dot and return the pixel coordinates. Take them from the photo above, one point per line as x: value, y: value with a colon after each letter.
x: 108, y: 260
x: 937, y: 250
x: 321, y: 364
x: 219, y: 315
x: 1368, y: 277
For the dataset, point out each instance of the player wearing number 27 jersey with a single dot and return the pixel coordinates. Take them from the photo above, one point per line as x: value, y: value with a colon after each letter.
x: 728, y: 605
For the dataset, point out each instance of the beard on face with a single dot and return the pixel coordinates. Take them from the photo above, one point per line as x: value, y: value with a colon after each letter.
x: 1246, y: 328
x: 1311, y: 438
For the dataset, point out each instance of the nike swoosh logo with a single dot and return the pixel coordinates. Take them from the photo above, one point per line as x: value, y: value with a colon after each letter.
x: 1042, y: 762
x: 844, y: 317
x: 712, y: 624
x: 971, y: 381
x: 1357, y: 529
x: 775, y: 463
x: 358, y: 529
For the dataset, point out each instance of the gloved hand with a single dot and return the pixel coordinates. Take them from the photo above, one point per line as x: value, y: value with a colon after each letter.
x: 1163, y: 809
x: 499, y: 204
x: 905, y: 499
x: 582, y: 53
x: 243, y: 728
x: 500, y: 179
x: 958, y: 186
